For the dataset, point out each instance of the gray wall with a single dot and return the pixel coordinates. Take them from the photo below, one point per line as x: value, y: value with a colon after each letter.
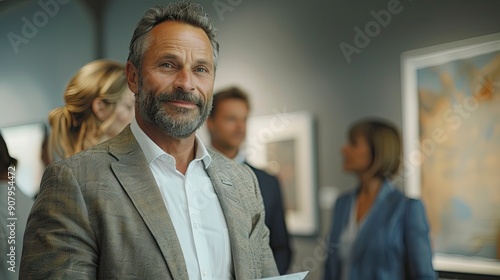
x: 34, y: 74
x: 285, y: 53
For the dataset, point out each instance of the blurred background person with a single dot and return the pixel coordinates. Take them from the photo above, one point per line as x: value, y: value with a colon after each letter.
x: 21, y: 211
x: 377, y: 233
x: 98, y: 105
x: 227, y: 128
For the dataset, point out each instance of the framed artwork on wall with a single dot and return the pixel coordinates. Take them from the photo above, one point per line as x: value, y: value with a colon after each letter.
x: 284, y: 145
x: 451, y: 131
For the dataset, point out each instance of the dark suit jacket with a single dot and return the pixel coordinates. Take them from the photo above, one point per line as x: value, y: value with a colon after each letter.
x: 100, y: 215
x: 395, y: 229
x: 275, y: 218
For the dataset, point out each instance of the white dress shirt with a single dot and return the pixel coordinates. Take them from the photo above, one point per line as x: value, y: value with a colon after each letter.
x: 193, y: 207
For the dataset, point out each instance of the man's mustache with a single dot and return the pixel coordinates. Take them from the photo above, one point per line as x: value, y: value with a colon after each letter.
x: 180, y: 95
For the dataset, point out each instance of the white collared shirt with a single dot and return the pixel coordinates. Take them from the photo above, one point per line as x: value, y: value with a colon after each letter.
x: 193, y: 207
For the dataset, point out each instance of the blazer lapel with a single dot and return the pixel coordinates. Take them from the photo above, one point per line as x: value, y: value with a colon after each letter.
x: 136, y: 178
x: 230, y: 202
x: 374, y: 219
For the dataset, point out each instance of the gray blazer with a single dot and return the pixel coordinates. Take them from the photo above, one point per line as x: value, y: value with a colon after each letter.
x: 100, y: 215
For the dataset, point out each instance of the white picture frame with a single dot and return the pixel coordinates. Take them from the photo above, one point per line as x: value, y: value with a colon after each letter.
x: 283, y: 145
x: 418, y: 65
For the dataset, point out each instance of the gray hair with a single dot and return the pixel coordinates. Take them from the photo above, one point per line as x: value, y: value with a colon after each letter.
x: 184, y: 11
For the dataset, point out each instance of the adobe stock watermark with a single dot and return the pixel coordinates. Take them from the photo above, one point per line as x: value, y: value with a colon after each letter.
x: 224, y: 6
x: 316, y: 261
x: 276, y: 124
x: 363, y: 37
x: 11, y: 222
x: 453, y: 118
x: 30, y: 26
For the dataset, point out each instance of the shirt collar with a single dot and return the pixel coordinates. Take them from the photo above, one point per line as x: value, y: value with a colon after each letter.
x: 152, y: 151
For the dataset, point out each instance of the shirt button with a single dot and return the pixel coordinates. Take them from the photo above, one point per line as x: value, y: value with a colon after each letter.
x: 195, y: 225
x: 204, y: 273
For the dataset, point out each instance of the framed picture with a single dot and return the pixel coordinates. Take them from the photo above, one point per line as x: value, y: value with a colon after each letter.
x: 283, y: 145
x: 25, y: 144
x: 451, y: 131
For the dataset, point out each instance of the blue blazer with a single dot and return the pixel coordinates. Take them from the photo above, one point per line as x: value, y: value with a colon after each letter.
x: 275, y: 219
x: 395, y: 235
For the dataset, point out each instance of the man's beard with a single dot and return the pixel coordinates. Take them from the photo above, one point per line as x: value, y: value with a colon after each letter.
x: 180, y: 124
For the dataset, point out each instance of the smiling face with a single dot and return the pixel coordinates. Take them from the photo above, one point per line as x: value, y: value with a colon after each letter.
x: 174, y: 85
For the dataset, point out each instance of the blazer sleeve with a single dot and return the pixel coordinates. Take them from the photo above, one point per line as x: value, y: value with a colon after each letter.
x: 418, y: 246
x: 59, y: 242
x: 279, y: 242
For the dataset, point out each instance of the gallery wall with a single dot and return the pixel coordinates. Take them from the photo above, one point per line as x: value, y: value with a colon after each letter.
x: 39, y: 52
x: 286, y: 54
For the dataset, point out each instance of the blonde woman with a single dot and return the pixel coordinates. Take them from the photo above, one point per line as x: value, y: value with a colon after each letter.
x: 98, y: 105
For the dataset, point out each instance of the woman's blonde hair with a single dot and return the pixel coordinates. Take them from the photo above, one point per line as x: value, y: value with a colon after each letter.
x: 384, y: 141
x: 75, y: 127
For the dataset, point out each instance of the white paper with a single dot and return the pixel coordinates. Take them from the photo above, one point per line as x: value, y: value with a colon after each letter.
x: 294, y: 276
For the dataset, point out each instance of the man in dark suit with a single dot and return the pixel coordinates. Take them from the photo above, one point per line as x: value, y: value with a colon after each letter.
x: 227, y: 128
x: 153, y: 202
